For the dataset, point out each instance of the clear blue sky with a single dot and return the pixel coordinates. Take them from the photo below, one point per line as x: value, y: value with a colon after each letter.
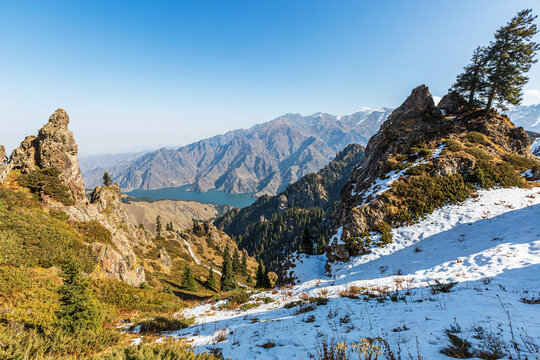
x: 140, y: 74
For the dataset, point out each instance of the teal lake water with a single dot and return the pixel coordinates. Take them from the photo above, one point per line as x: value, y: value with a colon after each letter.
x: 211, y: 196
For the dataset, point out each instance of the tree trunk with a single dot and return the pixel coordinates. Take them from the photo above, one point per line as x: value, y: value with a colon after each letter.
x: 490, y: 99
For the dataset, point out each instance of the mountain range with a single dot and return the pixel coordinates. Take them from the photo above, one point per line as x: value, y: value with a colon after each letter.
x: 263, y: 159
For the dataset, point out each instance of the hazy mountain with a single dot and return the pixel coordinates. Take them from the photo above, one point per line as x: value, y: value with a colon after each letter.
x: 263, y: 159
x: 526, y: 116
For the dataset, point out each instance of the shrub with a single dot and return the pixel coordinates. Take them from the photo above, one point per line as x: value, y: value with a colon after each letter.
x: 476, y: 138
x: 453, y: 145
x: 386, y: 233
x: 46, y: 181
x: 162, y: 323
x: 170, y: 349
x: 421, y: 195
x: 78, y: 309
x: 93, y: 230
x: 478, y: 153
x: 440, y: 287
x: 521, y: 162
x: 239, y: 296
x: 125, y: 297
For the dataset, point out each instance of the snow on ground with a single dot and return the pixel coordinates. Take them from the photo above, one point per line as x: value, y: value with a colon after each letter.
x: 535, y: 147
x: 490, y: 245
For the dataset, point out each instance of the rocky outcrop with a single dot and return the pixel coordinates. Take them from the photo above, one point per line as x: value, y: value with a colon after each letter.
x: 3, y: 155
x: 415, y: 136
x: 54, y: 146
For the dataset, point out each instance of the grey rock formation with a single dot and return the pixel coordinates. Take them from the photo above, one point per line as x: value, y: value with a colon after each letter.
x: 416, y: 121
x: 53, y: 147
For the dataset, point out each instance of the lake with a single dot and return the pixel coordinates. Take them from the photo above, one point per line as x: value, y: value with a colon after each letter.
x: 211, y: 196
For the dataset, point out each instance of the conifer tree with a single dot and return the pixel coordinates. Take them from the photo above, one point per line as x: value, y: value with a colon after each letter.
x: 511, y: 56
x: 473, y: 80
x: 306, y: 242
x: 107, y: 179
x: 249, y: 279
x: 243, y: 265
x: 159, y: 227
x: 188, y: 280
x: 211, y: 281
x: 267, y: 282
x: 261, y: 275
x: 78, y: 310
x: 237, y: 266
x: 228, y: 281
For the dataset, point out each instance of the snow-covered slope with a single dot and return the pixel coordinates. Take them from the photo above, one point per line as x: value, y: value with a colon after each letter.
x: 490, y: 246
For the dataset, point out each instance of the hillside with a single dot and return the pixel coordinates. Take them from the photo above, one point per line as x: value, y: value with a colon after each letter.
x: 271, y: 227
x: 180, y: 213
x: 263, y: 159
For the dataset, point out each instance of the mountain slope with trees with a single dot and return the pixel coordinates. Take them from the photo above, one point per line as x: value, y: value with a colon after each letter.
x: 272, y: 227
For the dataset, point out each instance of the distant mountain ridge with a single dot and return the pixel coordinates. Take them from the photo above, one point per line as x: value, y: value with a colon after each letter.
x: 263, y: 159
x: 527, y: 116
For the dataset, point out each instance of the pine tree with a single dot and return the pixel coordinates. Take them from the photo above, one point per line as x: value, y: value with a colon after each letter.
x: 249, y: 279
x: 237, y: 266
x: 211, y: 281
x: 307, y: 242
x: 267, y: 281
x: 78, y: 310
x: 511, y: 56
x: 228, y: 281
x: 260, y: 277
x: 243, y: 265
x: 188, y: 280
x: 159, y: 227
x: 107, y: 179
x: 473, y: 80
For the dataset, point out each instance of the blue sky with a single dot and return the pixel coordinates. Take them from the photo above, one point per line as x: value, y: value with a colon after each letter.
x: 141, y: 74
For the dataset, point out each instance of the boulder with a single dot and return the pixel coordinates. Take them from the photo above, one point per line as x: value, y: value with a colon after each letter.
x: 452, y: 103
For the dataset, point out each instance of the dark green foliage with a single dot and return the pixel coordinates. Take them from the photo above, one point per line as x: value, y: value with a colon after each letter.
x: 440, y: 287
x: 306, y: 242
x: 29, y: 236
x: 162, y: 323
x: 476, y: 137
x: 125, y: 297
x: 260, y: 278
x: 521, y: 162
x: 78, y: 309
x: 46, y: 181
x: 459, y: 348
x: 228, y: 281
x: 93, y: 230
x: 243, y: 265
x: 511, y: 57
x: 420, y: 195
x: 239, y: 296
x: 386, y: 235
x: 453, y: 145
x: 188, y: 280
x: 237, y: 266
x: 497, y: 72
x: 249, y: 279
x: 478, y: 153
x: 272, y: 235
x: 211, y: 280
x: 107, y: 179
x: 488, y: 175
x: 159, y: 226
x: 169, y: 226
x: 473, y: 78
x: 167, y: 350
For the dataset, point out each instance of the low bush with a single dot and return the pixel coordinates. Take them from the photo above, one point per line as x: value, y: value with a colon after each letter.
x: 476, y: 138
x: 239, y: 296
x: 46, y: 181
x: 453, y: 145
x: 94, y: 231
x: 439, y: 287
x: 162, y: 323
x: 478, y: 153
x: 171, y: 349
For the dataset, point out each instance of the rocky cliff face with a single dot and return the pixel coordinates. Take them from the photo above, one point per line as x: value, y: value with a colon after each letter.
x: 424, y: 157
x: 53, y: 147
